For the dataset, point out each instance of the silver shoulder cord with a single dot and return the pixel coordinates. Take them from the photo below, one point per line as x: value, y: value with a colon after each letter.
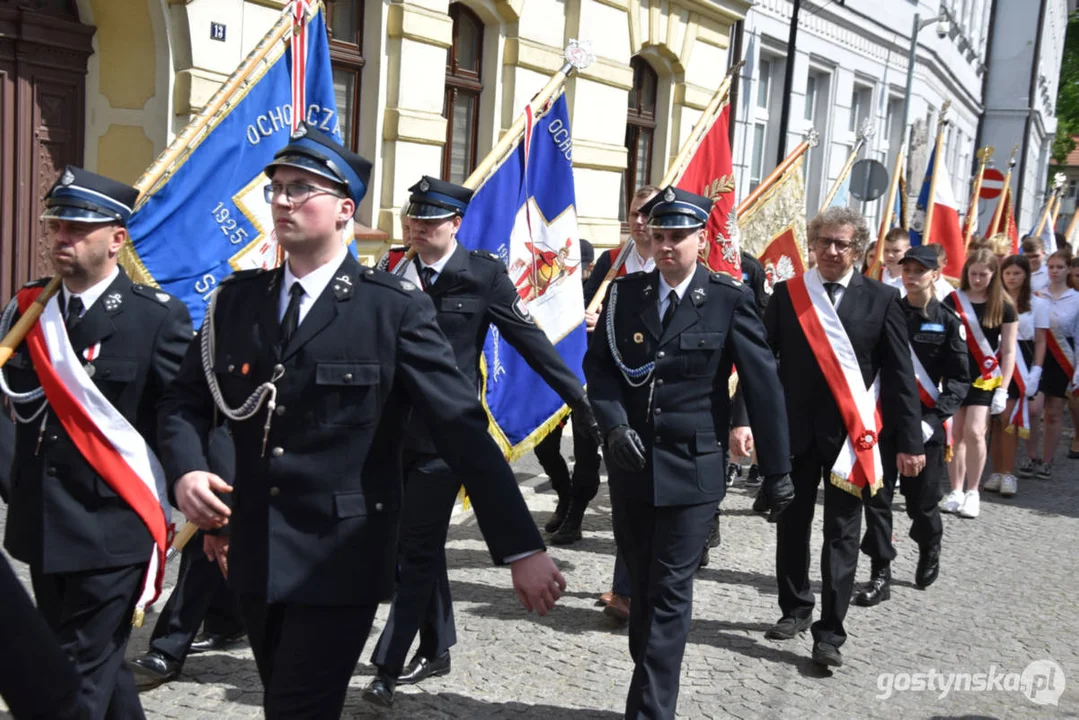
x: 34, y: 395
x: 266, y: 392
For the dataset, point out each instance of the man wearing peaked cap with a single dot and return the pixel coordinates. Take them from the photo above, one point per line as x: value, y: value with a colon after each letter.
x: 657, y: 370
x: 349, y: 352
x: 87, y: 547
x: 470, y: 291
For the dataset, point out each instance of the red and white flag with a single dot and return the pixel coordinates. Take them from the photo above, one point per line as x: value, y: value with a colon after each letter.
x: 104, y: 437
x: 942, y: 210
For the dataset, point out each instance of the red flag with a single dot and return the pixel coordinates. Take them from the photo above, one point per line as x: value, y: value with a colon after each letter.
x: 1006, y: 224
x: 711, y: 173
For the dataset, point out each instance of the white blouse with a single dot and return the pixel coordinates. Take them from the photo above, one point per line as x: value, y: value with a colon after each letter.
x: 1037, y: 318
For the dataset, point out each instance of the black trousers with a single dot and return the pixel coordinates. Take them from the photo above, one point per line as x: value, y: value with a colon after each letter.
x: 90, y: 613
x: 839, y: 554
x: 37, y: 680
x: 923, y: 495
x: 201, y: 596
x: 423, y: 603
x: 584, y: 484
x: 305, y: 654
x: 662, y: 547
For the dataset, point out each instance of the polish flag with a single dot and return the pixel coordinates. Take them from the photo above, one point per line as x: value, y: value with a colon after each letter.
x: 945, y: 228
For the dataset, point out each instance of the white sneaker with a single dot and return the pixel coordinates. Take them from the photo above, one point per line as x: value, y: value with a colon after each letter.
x: 971, y: 505
x: 953, y: 501
x: 993, y: 483
x: 1008, y: 486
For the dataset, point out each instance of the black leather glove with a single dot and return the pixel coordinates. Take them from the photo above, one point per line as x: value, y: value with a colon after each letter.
x: 778, y: 491
x: 625, y: 449
x: 584, y: 419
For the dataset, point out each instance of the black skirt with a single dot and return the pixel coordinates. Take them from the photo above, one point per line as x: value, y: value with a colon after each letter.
x: 1054, y: 380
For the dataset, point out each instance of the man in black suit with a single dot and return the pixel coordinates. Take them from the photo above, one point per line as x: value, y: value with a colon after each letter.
x: 872, y: 322
x: 471, y: 291
x: 87, y: 548
x: 658, y: 368
x: 316, y: 364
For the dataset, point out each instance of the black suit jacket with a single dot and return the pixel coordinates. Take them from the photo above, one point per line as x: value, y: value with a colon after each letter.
x: 682, y: 413
x: 876, y: 324
x: 63, y: 516
x: 315, y: 518
x: 473, y: 292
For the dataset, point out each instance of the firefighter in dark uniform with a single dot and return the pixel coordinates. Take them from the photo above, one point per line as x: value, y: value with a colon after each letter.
x: 470, y: 291
x: 87, y: 549
x: 657, y: 368
x: 315, y: 365
x: 939, y: 340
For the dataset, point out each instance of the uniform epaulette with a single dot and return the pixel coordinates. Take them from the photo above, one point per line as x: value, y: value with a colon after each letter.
x: 486, y: 255
x: 631, y: 276
x: 40, y: 282
x: 389, y: 280
x: 242, y: 275
x: 152, y: 293
x: 724, y: 279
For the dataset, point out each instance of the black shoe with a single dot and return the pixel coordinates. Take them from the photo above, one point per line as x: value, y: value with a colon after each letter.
x: 380, y: 690
x: 787, y: 628
x: 877, y: 590
x: 153, y: 669
x: 753, y: 479
x: 827, y: 655
x: 570, y: 532
x: 928, y: 565
x: 558, y: 516
x: 421, y: 668
x: 760, y: 503
x: 714, y: 538
x: 208, y: 642
x: 704, y: 559
x: 734, y: 471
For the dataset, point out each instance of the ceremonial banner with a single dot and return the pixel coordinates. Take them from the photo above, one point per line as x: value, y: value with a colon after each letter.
x: 1006, y: 223
x: 774, y: 228
x: 945, y: 229
x: 525, y: 214
x: 711, y: 173
x: 208, y: 218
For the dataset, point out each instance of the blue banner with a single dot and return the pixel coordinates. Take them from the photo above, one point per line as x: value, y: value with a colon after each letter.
x: 210, y: 218
x: 917, y: 220
x: 525, y: 213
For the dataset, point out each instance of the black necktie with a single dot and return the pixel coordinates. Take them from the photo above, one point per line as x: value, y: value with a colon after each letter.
x: 74, y: 312
x: 672, y: 305
x: 292, y: 313
x: 427, y: 275
x: 831, y: 288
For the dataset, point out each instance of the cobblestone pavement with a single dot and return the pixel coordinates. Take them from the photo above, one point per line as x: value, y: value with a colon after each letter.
x: 1005, y: 599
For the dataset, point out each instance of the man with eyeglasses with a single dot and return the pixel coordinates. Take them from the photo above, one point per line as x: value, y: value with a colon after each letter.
x: 841, y: 340
x: 316, y: 365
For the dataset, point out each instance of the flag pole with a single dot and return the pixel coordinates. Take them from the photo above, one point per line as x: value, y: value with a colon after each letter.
x: 864, y: 134
x: 994, y: 224
x: 1058, y: 183
x: 674, y: 171
x: 972, y: 207
x: 1071, y: 228
x: 942, y: 122
x: 751, y: 199
x: 874, y: 270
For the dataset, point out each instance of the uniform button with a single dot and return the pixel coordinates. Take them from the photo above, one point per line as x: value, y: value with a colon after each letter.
x: 51, y: 472
x: 700, y: 342
x: 277, y: 451
x: 659, y: 382
x: 54, y: 438
x: 459, y: 306
x: 231, y: 368
x: 347, y: 377
x: 658, y: 439
x: 275, y: 491
x: 280, y: 410
x: 661, y: 355
x: 658, y: 411
x: 279, y: 369
x: 378, y: 506
x: 369, y: 273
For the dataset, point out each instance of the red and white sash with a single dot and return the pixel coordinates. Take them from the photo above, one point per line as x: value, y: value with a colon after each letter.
x: 394, y: 258
x: 858, y: 463
x: 1062, y: 352
x: 104, y: 437
x: 1020, y: 417
x: 633, y: 263
x: 929, y: 392
x: 984, y: 353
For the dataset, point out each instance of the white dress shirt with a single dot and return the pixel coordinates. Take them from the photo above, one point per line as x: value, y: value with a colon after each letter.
x: 91, y: 294
x: 665, y: 292
x: 895, y: 281
x: 636, y: 263
x: 437, y: 266
x: 313, y: 283
x: 1039, y: 279
x: 840, y: 291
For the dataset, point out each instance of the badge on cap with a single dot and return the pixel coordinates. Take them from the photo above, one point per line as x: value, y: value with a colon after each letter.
x: 424, y: 185
x: 669, y: 196
x: 67, y: 178
x: 299, y: 132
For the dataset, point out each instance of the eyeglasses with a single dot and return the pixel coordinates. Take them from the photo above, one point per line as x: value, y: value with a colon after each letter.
x: 840, y: 245
x: 296, y: 193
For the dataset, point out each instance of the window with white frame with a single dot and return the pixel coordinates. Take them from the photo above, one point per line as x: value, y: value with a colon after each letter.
x: 860, y: 101
x: 767, y: 69
x: 816, y: 112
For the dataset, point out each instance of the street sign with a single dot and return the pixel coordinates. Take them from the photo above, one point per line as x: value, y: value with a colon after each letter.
x: 868, y: 180
x: 992, y: 184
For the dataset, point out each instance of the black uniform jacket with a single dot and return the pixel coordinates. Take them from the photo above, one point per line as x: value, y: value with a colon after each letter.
x: 682, y: 412
x: 872, y: 314
x: 63, y: 516
x: 939, y: 340
x: 315, y: 518
x: 473, y: 292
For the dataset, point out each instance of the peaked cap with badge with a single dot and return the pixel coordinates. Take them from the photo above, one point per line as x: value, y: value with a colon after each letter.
x: 82, y: 196
x: 316, y: 152
x: 676, y: 208
x: 435, y: 199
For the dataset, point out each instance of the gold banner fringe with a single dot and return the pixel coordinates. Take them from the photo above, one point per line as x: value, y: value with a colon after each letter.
x: 848, y: 486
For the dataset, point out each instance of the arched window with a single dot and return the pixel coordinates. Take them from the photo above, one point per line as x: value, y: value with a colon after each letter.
x: 464, y: 83
x: 640, y: 131
x: 344, y: 21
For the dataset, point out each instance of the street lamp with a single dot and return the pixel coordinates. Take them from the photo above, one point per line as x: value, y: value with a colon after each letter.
x: 942, y: 22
